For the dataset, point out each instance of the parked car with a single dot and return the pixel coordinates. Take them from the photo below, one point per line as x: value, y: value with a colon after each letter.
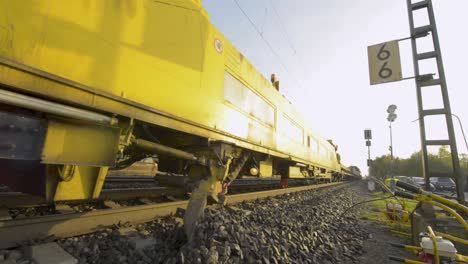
x: 443, y: 184
x: 404, y: 179
x: 398, y: 178
x: 419, y: 181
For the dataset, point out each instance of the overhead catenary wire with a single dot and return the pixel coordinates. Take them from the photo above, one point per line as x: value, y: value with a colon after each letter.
x: 283, y: 28
x: 264, y: 19
x: 287, y: 36
x: 281, y: 62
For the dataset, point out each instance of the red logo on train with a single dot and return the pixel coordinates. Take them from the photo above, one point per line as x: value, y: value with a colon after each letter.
x: 218, y: 45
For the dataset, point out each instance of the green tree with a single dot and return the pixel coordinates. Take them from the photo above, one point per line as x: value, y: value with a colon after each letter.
x: 443, y: 152
x: 412, y: 166
x: 464, y: 163
x: 381, y: 167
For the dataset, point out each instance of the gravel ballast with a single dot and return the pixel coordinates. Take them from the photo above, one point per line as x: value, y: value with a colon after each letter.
x: 304, y: 227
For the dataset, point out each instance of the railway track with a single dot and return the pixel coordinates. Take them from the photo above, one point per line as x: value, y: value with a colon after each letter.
x: 118, y: 188
x: 16, y: 232
x: 21, y: 200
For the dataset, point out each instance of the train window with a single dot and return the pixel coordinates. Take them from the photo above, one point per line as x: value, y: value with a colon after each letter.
x: 314, y: 146
x: 323, y: 152
x: 249, y: 102
x: 290, y: 129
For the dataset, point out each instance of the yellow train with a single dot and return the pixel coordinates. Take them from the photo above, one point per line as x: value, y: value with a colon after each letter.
x: 88, y: 86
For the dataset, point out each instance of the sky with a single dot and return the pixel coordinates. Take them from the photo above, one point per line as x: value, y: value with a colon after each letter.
x: 320, y: 57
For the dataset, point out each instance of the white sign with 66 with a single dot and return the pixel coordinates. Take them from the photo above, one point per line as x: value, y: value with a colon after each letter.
x: 384, y: 62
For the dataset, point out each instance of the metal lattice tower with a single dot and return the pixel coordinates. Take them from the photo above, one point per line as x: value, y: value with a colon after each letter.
x: 421, y: 84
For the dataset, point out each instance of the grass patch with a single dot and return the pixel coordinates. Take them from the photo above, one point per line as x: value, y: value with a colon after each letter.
x: 374, y: 211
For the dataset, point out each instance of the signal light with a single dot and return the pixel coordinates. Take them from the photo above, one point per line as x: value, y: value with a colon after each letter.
x: 367, y: 134
x: 391, y: 113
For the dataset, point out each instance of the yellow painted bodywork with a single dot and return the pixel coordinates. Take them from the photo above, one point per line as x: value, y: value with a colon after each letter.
x: 266, y: 168
x: 295, y: 172
x: 161, y: 62
x: 81, y: 154
x: 80, y: 144
x: 86, y: 183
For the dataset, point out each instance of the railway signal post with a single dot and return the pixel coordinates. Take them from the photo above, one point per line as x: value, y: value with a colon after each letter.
x: 391, y: 118
x: 385, y: 66
x: 368, y: 137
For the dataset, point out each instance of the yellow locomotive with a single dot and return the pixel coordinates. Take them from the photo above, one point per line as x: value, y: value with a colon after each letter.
x: 88, y: 86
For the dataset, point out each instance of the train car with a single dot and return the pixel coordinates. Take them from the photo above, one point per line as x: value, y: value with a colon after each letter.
x: 356, y: 172
x: 351, y: 173
x: 88, y: 86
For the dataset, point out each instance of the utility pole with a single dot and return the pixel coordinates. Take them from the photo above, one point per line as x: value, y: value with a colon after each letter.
x: 391, y: 141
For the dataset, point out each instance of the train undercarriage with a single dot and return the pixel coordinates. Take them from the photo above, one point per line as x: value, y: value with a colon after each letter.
x: 62, y: 153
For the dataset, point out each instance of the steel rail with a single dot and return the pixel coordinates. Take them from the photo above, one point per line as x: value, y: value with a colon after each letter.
x: 135, y: 193
x: 130, y: 179
x: 23, y: 200
x: 16, y: 232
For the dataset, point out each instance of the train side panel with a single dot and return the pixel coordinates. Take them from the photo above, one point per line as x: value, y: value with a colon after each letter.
x: 143, y: 51
x: 162, y: 55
